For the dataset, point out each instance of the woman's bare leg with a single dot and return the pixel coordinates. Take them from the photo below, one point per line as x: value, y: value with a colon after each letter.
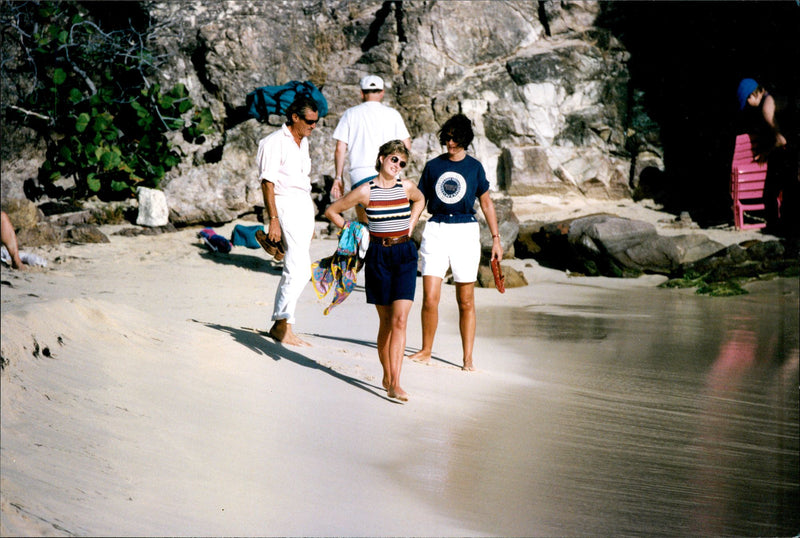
x: 431, y: 293
x: 392, y: 338
x: 9, y: 238
x: 465, y: 296
x: 384, y: 335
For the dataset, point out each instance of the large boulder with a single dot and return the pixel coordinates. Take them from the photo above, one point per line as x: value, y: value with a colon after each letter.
x: 611, y: 246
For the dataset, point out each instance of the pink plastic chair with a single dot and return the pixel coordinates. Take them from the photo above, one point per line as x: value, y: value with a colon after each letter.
x: 748, y: 178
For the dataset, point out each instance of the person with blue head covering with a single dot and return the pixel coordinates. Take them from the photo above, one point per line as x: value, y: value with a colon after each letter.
x: 752, y: 95
x: 770, y: 122
x: 746, y: 87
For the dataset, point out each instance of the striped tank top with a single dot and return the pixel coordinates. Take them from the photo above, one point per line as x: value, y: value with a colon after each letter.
x: 389, y: 210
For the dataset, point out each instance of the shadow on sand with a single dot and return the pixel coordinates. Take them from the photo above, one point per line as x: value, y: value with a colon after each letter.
x: 262, y: 343
x: 245, y: 261
x: 374, y: 346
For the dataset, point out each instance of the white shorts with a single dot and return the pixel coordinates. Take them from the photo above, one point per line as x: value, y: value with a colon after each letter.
x: 457, y: 246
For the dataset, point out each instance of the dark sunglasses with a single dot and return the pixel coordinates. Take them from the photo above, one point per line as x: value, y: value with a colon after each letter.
x: 308, y: 121
x: 395, y: 159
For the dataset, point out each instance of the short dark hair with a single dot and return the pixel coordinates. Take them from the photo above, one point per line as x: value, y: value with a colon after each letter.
x: 459, y: 128
x: 392, y: 146
x: 299, y: 106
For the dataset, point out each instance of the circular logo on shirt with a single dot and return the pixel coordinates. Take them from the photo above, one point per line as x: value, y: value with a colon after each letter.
x: 451, y: 187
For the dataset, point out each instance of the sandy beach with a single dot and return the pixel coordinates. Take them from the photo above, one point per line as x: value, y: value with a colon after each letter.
x: 141, y: 396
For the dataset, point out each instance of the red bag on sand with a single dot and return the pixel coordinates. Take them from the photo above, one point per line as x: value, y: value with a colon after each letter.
x: 499, y: 279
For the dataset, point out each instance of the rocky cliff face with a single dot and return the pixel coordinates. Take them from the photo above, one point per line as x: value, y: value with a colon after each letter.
x: 547, y: 90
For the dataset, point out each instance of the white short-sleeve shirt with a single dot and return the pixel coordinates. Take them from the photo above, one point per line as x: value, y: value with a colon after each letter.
x: 365, y: 128
x: 285, y: 164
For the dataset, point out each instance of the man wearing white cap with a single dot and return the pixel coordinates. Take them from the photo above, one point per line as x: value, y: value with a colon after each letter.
x: 361, y: 132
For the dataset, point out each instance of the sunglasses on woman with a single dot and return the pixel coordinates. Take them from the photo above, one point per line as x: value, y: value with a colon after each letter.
x: 395, y: 159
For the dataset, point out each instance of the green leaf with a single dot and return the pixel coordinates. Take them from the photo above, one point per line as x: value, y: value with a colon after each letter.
x: 165, y: 101
x: 206, y: 120
x: 145, y: 123
x: 179, y: 90
x: 59, y: 76
x: 92, y: 182
x: 82, y: 122
x: 75, y: 95
x: 62, y: 36
x: 109, y: 160
x: 140, y: 110
x: 65, y: 153
x: 184, y: 105
x: 119, y: 186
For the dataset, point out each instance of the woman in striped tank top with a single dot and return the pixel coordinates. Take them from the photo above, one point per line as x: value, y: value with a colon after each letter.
x: 393, y: 207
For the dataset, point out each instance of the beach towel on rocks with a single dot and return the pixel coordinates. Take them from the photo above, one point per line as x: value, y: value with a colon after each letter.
x: 245, y: 236
x: 214, y: 241
x: 340, y: 271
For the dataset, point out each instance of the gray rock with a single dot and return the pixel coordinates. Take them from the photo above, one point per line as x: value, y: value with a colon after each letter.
x: 38, y: 235
x: 513, y: 277
x: 153, y: 209
x: 85, y: 233
x: 610, y: 233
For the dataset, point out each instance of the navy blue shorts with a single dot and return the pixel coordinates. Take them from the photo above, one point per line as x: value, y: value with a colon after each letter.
x: 390, y: 272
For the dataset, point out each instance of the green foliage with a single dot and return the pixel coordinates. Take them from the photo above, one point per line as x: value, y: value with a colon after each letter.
x: 726, y: 288
x: 107, y: 120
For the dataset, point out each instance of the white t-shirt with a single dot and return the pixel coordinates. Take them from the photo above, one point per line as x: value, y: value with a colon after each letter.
x: 285, y: 164
x: 365, y: 128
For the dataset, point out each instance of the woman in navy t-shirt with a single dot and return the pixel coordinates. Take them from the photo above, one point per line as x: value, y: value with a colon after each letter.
x: 451, y: 182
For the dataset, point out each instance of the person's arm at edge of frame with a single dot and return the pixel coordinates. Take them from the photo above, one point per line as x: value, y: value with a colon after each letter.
x: 339, y: 154
x: 334, y: 211
x: 487, y: 206
x: 274, y: 225
x: 417, y: 203
x: 768, y: 111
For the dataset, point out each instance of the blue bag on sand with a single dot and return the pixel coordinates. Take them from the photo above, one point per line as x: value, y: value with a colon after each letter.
x: 267, y: 100
x: 245, y: 236
x: 214, y: 241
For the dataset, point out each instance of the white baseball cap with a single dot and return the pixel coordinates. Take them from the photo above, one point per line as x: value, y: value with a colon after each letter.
x: 372, y: 82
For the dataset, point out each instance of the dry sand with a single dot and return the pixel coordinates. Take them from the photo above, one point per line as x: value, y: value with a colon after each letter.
x: 140, y: 396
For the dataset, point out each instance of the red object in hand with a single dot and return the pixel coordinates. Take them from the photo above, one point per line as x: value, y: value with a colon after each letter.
x: 499, y: 279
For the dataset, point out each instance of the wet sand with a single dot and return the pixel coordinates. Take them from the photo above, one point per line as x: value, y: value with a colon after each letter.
x: 141, y: 397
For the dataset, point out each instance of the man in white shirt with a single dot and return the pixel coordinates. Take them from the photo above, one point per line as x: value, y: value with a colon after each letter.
x: 284, y: 166
x: 359, y: 134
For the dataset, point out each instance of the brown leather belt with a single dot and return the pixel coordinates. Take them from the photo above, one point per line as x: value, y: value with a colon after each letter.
x: 389, y: 241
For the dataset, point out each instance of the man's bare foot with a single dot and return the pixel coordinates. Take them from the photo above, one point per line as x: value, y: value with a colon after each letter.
x: 421, y: 356
x: 292, y: 339
x: 282, y: 332
x: 468, y: 367
x: 398, y: 394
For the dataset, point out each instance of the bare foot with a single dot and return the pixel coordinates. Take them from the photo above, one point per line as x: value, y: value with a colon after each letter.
x: 282, y: 332
x: 292, y: 339
x: 468, y: 367
x: 398, y: 394
x: 421, y: 356
x: 385, y: 383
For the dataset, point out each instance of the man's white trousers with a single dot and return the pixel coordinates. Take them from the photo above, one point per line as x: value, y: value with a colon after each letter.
x: 296, y: 215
